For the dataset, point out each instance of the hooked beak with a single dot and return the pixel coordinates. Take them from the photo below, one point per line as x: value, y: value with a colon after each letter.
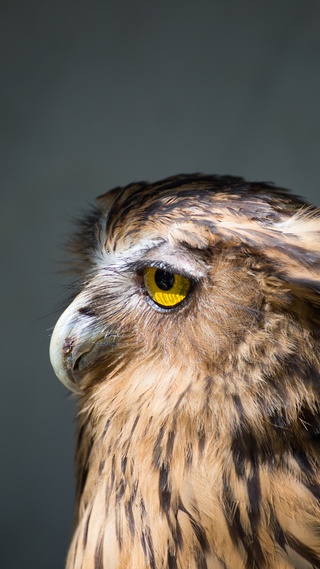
x: 77, y: 341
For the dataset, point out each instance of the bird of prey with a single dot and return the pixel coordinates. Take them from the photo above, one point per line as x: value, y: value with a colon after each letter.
x: 192, y: 345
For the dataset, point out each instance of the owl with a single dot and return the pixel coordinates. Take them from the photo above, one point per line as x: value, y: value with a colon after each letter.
x: 191, y: 344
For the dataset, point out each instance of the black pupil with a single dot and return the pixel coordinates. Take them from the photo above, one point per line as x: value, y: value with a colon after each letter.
x: 163, y: 279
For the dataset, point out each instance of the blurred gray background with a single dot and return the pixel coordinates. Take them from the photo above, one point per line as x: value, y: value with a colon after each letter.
x: 97, y: 94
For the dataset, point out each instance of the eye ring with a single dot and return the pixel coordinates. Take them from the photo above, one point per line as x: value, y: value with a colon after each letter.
x: 166, y: 288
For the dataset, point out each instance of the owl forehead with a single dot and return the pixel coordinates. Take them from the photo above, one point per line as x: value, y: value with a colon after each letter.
x: 194, y: 211
x: 167, y: 219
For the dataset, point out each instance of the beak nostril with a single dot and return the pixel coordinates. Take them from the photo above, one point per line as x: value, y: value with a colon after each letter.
x: 68, y: 346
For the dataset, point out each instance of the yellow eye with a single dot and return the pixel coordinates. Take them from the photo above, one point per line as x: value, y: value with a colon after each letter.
x: 165, y: 288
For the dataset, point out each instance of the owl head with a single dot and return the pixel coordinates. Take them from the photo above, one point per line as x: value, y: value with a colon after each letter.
x: 199, y: 283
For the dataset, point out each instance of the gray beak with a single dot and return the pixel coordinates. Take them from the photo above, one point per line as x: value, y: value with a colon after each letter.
x: 77, y: 340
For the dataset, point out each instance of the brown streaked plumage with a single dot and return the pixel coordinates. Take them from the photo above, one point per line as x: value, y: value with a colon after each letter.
x: 198, y: 424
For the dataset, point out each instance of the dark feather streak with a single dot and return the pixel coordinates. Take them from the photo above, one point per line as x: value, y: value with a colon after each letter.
x: 164, y: 490
x: 303, y: 550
